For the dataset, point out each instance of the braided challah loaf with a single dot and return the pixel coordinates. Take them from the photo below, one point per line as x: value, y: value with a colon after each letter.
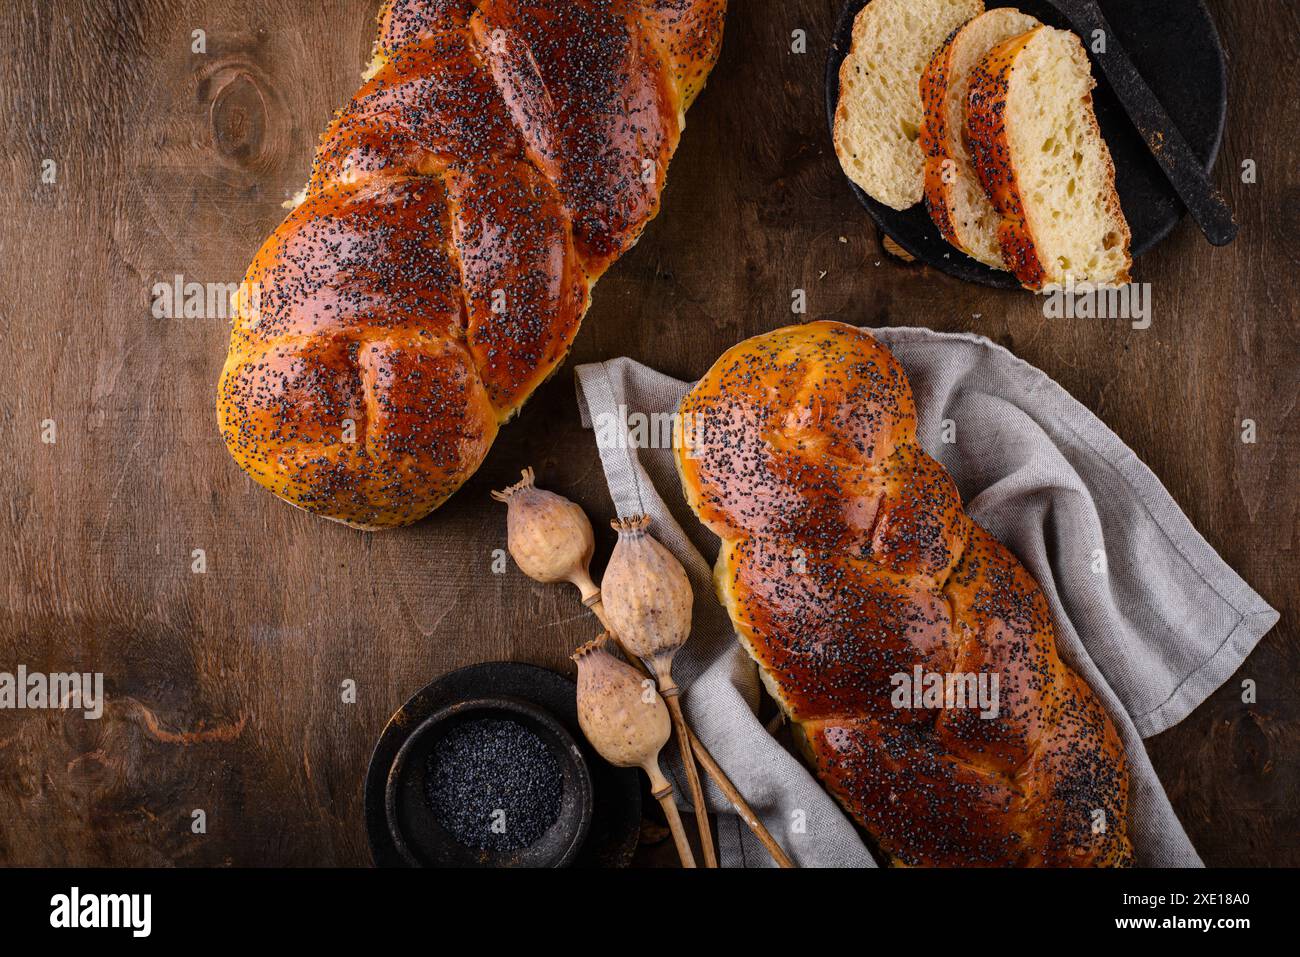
x: 847, y: 559
x: 499, y: 157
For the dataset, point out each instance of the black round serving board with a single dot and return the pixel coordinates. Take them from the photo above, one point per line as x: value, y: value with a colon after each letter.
x: 1176, y: 48
x: 616, y: 792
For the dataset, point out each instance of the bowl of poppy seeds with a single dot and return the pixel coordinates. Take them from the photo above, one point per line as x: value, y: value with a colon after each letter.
x: 490, y: 782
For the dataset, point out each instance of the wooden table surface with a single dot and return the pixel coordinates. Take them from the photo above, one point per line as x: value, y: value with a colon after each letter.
x: 224, y: 687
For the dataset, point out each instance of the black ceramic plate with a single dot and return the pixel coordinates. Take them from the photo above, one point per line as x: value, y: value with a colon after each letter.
x: 1175, y: 47
x: 616, y: 792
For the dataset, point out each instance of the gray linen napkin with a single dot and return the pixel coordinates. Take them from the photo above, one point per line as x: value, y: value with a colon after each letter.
x: 1156, y: 628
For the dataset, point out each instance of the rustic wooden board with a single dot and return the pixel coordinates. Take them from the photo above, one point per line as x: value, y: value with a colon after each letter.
x: 224, y: 687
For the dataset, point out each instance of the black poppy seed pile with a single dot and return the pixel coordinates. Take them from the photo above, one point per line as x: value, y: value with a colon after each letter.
x: 494, y: 785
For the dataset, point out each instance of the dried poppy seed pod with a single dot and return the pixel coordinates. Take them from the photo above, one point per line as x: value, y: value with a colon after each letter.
x: 627, y: 722
x: 647, y: 597
x: 619, y: 710
x: 549, y: 537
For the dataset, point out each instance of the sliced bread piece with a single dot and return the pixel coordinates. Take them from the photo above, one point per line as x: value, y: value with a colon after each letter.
x: 878, y: 118
x: 953, y: 193
x: 1038, y: 151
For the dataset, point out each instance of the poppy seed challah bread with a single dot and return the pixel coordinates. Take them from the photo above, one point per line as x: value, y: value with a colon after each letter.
x: 499, y: 157
x: 846, y: 559
x: 878, y: 116
x: 954, y: 195
x: 1037, y: 149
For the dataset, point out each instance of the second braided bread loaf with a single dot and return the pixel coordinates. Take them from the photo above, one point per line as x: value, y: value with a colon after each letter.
x: 847, y: 560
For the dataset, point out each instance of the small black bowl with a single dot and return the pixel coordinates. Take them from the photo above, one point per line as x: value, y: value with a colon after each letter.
x: 423, y: 842
x: 616, y: 792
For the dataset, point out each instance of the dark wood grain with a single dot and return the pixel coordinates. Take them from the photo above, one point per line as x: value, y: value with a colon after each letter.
x: 224, y: 687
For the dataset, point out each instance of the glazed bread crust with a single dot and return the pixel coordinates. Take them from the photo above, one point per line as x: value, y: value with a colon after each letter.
x: 846, y: 558
x: 499, y: 157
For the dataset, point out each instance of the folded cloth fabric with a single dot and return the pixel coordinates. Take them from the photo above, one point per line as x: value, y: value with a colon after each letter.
x: 1144, y: 608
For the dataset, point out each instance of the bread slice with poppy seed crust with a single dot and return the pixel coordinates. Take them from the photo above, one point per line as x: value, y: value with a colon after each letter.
x: 1037, y: 149
x: 954, y: 195
x: 878, y: 118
